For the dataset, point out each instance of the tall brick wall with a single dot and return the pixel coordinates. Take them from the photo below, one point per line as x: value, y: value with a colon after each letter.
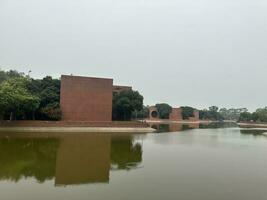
x: 196, y: 116
x: 176, y: 114
x: 86, y: 99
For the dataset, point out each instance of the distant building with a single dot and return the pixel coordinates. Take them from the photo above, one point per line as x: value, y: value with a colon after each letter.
x: 175, y: 115
x: 153, y: 113
x: 118, y: 88
x: 87, y: 98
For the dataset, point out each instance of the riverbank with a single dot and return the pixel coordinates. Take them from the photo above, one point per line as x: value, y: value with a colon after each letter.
x: 72, y: 126
x: 166, y: 121
x: 252, y: 125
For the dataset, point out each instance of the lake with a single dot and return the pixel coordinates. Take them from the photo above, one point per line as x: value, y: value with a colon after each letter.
x: 187, y: 162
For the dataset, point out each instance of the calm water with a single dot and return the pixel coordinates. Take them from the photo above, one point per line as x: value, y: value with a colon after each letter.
x: 195, y: 164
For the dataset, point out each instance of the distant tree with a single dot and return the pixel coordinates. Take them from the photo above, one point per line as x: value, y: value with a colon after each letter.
x: 5, y: 75
x: 246, y: 116
x: 213, y: 108
x: 164, y: 110
x: 211, y: 114
x: 125, y: 103
x: 142, y: 114
x: 261, y: 114
x: 232, y: 113
x: 187, y: 112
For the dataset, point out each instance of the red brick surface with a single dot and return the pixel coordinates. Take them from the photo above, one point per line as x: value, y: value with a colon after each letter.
x: 86, y: 99
x: 176, y: 114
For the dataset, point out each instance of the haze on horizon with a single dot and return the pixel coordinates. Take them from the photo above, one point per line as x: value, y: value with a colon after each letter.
x: 183, y: 52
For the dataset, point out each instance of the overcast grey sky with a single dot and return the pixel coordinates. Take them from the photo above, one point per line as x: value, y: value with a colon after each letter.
x: 184, y: 52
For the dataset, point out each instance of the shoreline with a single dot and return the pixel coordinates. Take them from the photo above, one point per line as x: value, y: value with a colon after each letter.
x: 252, y: 125
x: 38, y: 130
x: 183, y: 122
x: 75, y: 126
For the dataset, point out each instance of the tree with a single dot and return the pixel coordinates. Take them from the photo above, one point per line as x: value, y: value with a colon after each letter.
x: 211, y: 114
x: 164, y: 110
x: 261, y: 114
x: 48, y: 90
x: 16, y: 99
x: 187, y: 112
x: 142, y: 114
x: 125, y: 103
x: 246, y: 116
x: 213, y: 108
x: 5, y: 75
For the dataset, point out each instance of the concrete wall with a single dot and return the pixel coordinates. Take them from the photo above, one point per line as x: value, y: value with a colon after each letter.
x: 86, y: 99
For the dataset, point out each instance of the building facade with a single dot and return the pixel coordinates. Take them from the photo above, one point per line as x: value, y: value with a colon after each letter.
x: 86, y: 98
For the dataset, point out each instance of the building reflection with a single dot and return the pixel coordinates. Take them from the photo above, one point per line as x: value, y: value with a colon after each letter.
x: 69, y: 159
x: 173, y: 127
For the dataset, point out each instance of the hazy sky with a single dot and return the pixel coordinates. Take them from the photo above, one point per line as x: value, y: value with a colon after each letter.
x: 184, y: 52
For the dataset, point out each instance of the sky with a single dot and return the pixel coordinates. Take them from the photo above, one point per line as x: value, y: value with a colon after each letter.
x: 182, y: 52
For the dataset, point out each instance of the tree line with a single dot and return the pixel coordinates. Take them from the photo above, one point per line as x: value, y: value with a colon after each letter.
x: 25, y: 98
x: 213, y: 113
x: 22, y: 97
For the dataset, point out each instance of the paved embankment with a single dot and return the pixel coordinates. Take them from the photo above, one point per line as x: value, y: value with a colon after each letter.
x: 77, y: 129
x: 71, y: 126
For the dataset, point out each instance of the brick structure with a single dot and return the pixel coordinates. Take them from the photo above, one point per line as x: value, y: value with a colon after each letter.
x: 86, y: 99
x: 153, y: 113
x: 176, y: 114
x: 118, y: 88
x: 196, y: 116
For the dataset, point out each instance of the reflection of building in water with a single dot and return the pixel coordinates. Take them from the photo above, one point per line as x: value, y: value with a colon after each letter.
x: 174, y: 127
x: 71, y: 159
x: 83, y: 160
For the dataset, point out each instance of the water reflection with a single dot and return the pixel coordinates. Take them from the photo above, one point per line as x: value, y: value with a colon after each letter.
x: 173, y: 127
x: 176, y: 127
x: 218, y: 125
x: 69, y: 159
x: 255, y: 132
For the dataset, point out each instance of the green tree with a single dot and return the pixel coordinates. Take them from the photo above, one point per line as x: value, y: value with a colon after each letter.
x: 187, y: 112
x: 211, y: 114
x: 125, y: 103
x: 5, y: 75
x: 261, y: 114
x: 164, y: 110
x: 48, y: 90
x: 16, y: 99
x: 213, y: 108
x: 246, y: 116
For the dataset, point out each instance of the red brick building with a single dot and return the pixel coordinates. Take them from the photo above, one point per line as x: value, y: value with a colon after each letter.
x: 87, y: 99
x: 176, y: 114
